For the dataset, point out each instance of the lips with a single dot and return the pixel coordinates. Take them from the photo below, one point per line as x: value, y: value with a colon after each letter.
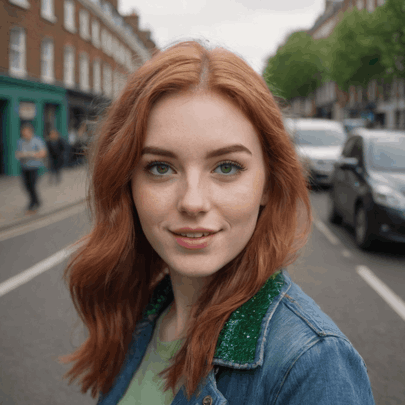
x: 194, y: 240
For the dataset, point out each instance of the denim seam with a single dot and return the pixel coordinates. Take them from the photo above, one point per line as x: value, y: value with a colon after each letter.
x: 292, y: 365
x: 318, y: 330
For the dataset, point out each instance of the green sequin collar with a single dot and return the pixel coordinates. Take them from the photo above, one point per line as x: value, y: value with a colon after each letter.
x: 238, y: 339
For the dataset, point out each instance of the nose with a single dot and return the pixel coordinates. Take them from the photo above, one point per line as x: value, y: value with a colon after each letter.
x: 193, y: 197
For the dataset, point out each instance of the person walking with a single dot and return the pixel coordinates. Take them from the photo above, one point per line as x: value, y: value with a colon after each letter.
x: 30, y: 152
x: 56, y: 149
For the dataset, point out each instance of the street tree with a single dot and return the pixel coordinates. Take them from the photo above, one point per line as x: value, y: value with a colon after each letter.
x: 355, y: 55
x: 296, y: 68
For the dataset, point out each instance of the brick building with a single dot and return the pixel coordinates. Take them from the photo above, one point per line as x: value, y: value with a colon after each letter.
x: 385, y: 100
x: 62, y: 62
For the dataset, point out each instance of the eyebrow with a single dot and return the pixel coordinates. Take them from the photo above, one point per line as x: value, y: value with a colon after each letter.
x: 152, y: 150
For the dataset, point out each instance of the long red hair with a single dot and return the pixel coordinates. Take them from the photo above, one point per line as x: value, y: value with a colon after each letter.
x: 113, y: 273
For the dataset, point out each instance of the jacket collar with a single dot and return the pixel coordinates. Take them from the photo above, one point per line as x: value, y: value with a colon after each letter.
x: 240, y: 343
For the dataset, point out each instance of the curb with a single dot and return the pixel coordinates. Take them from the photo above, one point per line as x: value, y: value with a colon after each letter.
x: 33, y: 218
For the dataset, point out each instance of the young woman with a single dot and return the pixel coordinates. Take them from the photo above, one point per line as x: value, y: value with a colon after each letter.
x: 199, y: 203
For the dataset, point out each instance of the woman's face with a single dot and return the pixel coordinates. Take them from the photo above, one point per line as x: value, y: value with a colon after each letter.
x: 201, y: 172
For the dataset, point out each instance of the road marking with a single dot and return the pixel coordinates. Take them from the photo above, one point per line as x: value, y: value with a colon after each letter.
x: 392, y: 299
x: 346, y: 253
x: 327, y: 232
x: 35, y: 270
x: 42, y: 222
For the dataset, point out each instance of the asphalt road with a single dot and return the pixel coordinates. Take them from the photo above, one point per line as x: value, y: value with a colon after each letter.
x: 38, y: 319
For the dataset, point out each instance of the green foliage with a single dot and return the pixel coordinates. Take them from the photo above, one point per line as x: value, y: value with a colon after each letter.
x: 388, y: 24
x: 296, y: 69
x: 356, y: 58
x: 363, y: 46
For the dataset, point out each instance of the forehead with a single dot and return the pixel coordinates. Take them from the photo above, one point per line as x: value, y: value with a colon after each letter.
x: 199, y: 121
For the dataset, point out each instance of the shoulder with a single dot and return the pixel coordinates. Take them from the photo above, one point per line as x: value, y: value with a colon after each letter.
x: 307, y: 356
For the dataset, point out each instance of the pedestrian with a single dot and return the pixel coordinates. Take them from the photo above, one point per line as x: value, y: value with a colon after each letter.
x: 199, y: 205
x: 30, y: 152
x: 56, y: 150
x: 79, y: 147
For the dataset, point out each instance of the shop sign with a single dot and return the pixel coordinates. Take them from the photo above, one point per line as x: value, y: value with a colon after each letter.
x: 27, y: 111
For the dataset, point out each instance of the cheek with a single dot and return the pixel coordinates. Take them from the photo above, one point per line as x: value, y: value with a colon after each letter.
x: 243, y: 201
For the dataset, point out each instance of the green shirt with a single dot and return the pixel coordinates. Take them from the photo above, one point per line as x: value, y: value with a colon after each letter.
x: 146, y: 386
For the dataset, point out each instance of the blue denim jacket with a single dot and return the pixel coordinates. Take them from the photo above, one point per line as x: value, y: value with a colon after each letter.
x: 299, y: 355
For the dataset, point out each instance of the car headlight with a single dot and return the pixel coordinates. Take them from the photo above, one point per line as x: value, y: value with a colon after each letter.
x: 387, y: 196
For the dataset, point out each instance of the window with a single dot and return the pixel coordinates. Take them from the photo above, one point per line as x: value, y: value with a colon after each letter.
x: 115, y: 49
x: 95, y: 33
x: 69, y: 67
x: 17, y: 57
x: 70, y: 16
x: 20, y: 3
x: 84, y: 24
x: 370, y: 6
x: 47, y: 61
x: 84, y: 72
x: 109, y: 45
x: 96, y: 77
x: 107, y: 80
x: 104, y: 40
x: 47, y: 10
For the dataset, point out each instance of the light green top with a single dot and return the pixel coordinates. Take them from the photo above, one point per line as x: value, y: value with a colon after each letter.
x: 146, y: 387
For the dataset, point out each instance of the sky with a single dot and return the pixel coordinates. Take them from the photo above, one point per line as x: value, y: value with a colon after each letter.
x: 253, y: 29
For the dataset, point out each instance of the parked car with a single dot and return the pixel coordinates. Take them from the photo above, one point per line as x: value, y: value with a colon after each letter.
x: 368, y: 186
x: 318, y: 143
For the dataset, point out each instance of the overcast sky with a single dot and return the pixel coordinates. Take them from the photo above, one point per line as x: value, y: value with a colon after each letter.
x: 251, y: 28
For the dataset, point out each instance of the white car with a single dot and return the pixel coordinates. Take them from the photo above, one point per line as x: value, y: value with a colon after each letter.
x: 319, y: 143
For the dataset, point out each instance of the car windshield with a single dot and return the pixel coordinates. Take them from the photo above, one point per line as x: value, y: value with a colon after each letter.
x: 319, y: 137
x: 388, y: 154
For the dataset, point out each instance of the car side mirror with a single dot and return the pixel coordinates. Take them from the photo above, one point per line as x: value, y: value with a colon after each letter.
x: 348, y: 163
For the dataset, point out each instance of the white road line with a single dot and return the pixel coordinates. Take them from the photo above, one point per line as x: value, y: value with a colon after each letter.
x: 327, y: 232
x: 383, y: 290
x: 42, y: 222
x: 346, y: 253
x: 35, y: 270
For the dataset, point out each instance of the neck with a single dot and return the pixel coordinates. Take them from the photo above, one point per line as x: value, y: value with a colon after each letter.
x: 186, y: 291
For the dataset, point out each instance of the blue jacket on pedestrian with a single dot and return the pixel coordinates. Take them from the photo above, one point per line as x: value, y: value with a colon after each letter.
x: 278, y: 348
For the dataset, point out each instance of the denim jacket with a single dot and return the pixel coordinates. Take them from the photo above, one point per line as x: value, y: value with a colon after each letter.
x: 278, y: 348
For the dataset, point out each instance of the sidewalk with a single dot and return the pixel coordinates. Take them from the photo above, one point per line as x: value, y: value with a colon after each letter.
x: 14, y: 198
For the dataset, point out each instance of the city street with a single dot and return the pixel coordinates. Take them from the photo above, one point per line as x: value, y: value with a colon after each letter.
x: 38, y: 321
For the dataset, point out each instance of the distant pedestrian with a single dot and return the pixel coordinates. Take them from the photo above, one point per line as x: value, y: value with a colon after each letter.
x: 56, y: 149
x: 30, y: 152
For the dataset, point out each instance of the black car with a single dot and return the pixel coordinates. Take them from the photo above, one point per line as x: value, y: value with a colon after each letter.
x: 368, y: 186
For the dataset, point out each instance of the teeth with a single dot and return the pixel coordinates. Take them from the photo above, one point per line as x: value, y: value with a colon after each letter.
x: 194, y: 235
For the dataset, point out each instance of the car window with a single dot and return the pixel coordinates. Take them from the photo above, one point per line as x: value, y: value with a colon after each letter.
x: 387, y: 154
x: 319, y: 137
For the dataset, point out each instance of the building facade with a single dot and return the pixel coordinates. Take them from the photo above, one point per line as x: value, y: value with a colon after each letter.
x: 385, y: 102
x: 61, y: 64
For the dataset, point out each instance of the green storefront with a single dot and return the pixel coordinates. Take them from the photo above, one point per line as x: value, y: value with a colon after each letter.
x: 21, y: 101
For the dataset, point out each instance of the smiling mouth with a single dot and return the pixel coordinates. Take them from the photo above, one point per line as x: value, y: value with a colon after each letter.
x: 194, y: 235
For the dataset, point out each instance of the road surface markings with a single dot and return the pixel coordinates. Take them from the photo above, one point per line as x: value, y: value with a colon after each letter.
x: 327, y: 232
x: 42, y: 222
x: 346, y: 253
x: 36, y: 270
x: 383, y: 290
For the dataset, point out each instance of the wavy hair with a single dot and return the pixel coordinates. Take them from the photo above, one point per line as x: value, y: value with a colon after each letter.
x: 113, y: 273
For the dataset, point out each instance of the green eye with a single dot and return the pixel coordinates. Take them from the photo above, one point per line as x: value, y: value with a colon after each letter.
x: 162, y: 169
x: 226, y: 168
x: 229, y: 168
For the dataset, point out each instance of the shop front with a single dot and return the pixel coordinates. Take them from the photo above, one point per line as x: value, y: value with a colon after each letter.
x: 21, y: 101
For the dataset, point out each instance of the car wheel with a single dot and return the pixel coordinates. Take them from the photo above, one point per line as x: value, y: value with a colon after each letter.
x: 363, y: 236
x: 333, y: 215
